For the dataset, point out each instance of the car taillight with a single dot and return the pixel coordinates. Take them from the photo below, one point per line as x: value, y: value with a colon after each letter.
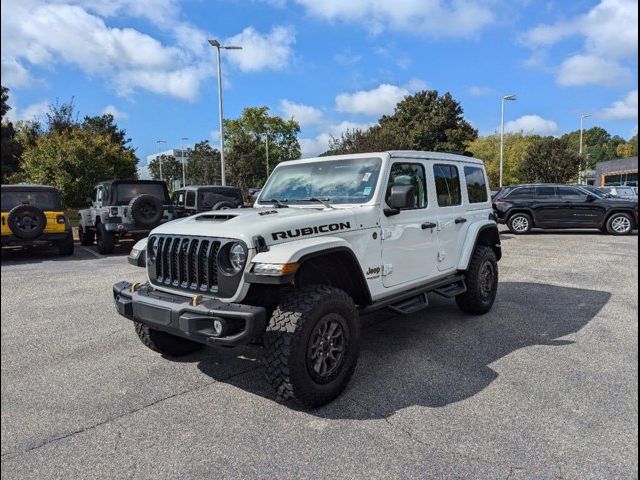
x: 499, y: 202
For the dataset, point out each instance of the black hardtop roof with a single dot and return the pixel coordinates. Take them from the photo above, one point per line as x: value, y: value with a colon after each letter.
x: 131, y: 180
x: 541, y: 185
x: 200, y: 187
x: 28, y: 186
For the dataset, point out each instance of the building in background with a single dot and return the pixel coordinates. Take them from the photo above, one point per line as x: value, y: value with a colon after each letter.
x: 622, y: 171
x: 177, y: 153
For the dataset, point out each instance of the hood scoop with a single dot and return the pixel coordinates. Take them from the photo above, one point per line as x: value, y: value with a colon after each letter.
x: 214, y: 217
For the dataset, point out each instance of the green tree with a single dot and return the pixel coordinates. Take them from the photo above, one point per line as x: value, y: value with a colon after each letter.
x: 105, y: 124
x: 171, y: 169
x: 246, y: 142
x: 75, y: 160
x: 11, y: 149
x: 598, y: 145
x: 549, y: 160
x: 203, y: 165
x: 423, y: 121
x: 487, y: 149
x: 628, y: 149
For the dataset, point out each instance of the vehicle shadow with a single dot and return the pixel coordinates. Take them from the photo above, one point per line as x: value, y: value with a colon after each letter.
x: 438, y: 356
x: 507, y: 235
x: 38, y: 254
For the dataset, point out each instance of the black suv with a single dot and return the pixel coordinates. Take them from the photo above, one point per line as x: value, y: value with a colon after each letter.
x: 203, y: 198
x: 523, y: 207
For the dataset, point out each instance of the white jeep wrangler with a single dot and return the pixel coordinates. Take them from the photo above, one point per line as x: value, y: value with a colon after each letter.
x: 328, y: 239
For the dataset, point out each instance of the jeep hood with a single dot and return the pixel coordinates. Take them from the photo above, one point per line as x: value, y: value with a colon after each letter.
x: 275, y: 225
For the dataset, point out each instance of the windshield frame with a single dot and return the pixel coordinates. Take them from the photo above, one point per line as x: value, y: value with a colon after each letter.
x: 262, y: 202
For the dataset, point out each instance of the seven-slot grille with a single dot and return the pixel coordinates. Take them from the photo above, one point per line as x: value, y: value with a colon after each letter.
x: 186, y: 263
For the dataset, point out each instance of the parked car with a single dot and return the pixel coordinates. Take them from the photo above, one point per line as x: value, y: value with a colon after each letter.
x: 124, y: 208
x: 547, y: 206
x: 329, y: 239
x: 203, y: 198
x: 33, y: 215
x: 630, y: 193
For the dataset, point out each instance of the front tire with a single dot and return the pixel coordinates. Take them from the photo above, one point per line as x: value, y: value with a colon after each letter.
x: 165, y: 343
x: 620, y: 224
x: 87, y: 236
x: 481, y: 280
x: 520, y: 223
x: 312, y: 344
x: 105, y: 241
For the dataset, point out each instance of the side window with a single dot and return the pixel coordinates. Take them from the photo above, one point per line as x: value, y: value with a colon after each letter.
x: 476, y: 184
x: 545, y: 193
x: 178, y: 199
x: 568, y: 193
x: 409, y: 174
x: 191, y: 199
x: 447, y: 185
x: 521, y: 193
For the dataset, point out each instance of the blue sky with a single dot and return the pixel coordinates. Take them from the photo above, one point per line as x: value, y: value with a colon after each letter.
x: 331, y: 64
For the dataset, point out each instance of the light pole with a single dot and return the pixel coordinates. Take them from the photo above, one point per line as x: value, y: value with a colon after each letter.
x: 218, y: 46
x: 184, y: 174
x: 582, y: 117
x: 159, y: 157
x: 508, y: 98
x: 266, y: 141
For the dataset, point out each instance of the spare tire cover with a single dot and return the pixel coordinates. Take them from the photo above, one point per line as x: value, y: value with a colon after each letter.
x: 146, y: 210
x: 223, y: 206
x: 27, y: 221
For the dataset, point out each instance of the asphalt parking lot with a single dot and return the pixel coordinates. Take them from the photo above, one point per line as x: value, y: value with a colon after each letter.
x: 544, y: 386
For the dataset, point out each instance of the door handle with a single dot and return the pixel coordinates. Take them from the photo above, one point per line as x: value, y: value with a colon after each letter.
x: 460, y: 220
x: 428, y: 225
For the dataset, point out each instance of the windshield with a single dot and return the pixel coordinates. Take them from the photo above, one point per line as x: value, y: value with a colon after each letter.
x: 43, y: 199
x: 126, y: 191
x: 335, y: 181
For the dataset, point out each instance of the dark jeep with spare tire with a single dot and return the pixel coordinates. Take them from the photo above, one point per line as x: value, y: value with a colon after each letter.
x: 124, y: 208
x: 204, y: 198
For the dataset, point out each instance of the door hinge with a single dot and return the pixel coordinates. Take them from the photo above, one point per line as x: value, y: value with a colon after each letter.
x: 387, y: 268
x: 386, y: 233
x: 441, y: 256
x: 440, y: 225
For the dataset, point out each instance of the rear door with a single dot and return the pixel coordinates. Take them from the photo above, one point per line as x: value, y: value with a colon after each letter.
x: 546, y: 206
x: 451, y: 223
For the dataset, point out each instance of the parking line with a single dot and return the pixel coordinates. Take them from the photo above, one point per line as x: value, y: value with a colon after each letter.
x: 95, y: 254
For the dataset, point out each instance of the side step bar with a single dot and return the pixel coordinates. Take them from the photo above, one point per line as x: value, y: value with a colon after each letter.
x: 416, y: 299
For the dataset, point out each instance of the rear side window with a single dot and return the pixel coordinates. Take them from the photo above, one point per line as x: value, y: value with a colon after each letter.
x: 447, y: 185
x: 520, y: 193
x: 543, y: 193
x: 191, y: 199
x: 476, y: 184
x: 409, y: 174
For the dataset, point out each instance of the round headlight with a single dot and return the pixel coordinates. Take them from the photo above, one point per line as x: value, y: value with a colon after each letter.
x: 237, y: 257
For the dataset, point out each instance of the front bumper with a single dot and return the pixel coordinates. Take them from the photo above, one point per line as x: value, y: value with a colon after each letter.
x: 43, y: 239
x: 176, y: 315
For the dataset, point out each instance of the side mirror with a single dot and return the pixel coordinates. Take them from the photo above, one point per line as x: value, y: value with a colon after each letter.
x: 401, y: 197
x: 591, y: 198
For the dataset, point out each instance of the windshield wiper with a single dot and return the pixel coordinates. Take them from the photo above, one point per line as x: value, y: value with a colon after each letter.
x: 278, y: 202
x: 323, y: 201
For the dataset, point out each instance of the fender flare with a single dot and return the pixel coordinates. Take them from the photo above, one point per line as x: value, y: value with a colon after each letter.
x: 471, y: 240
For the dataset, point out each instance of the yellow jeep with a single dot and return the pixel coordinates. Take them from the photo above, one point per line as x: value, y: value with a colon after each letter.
x: 33, y: 215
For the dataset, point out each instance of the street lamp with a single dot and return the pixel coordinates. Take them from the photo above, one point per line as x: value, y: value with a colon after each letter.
x: 218, y: 46
x: 508, y: 98
x: 582, y: 117
x: 184, y: 175
x: 159, y: 157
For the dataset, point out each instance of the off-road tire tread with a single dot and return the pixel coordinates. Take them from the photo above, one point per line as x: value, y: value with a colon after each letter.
x: 285, y: 327
x: 470, y: 301
x: 165, y: 343
x: 87, y: 238
x: 104, y: 247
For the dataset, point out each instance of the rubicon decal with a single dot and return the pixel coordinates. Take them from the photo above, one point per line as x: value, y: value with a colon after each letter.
x: 304, y: 231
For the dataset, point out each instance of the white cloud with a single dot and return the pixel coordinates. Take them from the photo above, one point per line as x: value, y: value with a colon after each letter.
x: 113, y: 111
x: 477, y: 91
x: 610, y: 34
x: 591, y: 70
x: 311, y: 147
x: 432, y: 18
x: 270, y: 51
x: 625, y: 109
x: 416, y: 84
x: 303, y: 114
x: 531, y: 124
x: 35, y: 111
x: 143, y: 172
x: 13, y: 74
x: 378, y: 101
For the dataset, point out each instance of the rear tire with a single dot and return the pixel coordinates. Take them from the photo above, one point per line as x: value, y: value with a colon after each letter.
x: 223, y: 206
x: 105, y: 241
x: 312, y: 344
x: 620, y: 224
x: 65, y: 247
x: 87, y: 236
x: 481, y: 280
x: 165, y: 343
x: 520, y: 223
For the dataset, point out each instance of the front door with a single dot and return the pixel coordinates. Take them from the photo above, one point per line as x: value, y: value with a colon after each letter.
x: 578, y: 209
x: 408, y: 241
x: 452, y: 224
